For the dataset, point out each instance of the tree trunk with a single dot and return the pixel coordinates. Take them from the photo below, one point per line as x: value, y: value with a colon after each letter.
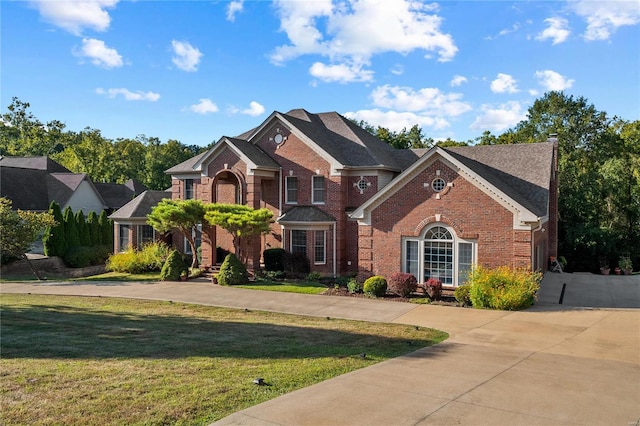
x: 33, y: 269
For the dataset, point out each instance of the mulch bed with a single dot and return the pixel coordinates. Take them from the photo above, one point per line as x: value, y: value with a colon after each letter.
x: 446, y: 299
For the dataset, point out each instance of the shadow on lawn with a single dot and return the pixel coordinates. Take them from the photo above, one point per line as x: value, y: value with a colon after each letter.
x: 63, y: 332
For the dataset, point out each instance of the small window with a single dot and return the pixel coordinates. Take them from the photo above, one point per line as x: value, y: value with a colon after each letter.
x: 188, y: 189
x: 123, y: 240
x: 318, y: 190
x: 299, y: 241
x: 291, y: 184
x: 145, y: 234
x: 320, y: 257
x: 438, y: 184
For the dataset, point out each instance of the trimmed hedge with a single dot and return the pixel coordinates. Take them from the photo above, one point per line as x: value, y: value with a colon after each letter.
x: 375, y: 286
x: 173, y: 267
x: 274, y: 259
x: 232, y: 271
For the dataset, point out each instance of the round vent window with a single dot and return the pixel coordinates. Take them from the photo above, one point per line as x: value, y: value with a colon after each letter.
x: 438, y: 184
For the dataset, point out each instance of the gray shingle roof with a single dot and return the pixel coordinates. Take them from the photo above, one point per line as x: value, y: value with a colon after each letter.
x: 305, y: 214
x: 141, y: 206
x: 26, y: 188
x: 33, y: 163
x: 185, y: 166
x: 522, y: 171
x: 116, y: 195
x: 255, y: 154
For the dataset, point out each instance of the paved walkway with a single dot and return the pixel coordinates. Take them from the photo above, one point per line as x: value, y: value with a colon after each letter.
x: 551, y: 364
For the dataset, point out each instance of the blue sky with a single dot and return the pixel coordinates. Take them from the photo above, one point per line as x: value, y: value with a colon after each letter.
x: 197, y: 70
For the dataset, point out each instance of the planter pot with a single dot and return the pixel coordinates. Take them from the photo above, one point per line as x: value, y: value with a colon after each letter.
x: 605, y: 271
x: 214, y: 280
x: 627, y: 271
x: 618, y: 271
x: 183, y: 277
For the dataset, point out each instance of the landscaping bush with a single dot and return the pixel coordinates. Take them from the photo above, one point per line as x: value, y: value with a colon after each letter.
x: 152, y: 257
x: 78, y: 256
x: 402, y: 284
x: 503, y: 288
x: 433, y: 288
x: 362, y: 276
x: 173, y: 267
x: 232, y: 271
x: 354, y: 286
x: 314, y: 276
x: 296, y: 265
x: 274, y: 259
x: 375, y: 286
x: 462, y: 295
x: 221, y: 254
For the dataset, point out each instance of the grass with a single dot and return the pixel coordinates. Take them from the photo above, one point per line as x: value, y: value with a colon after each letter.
x: 287, y: 286
x: 79, y: 360
x: 121, y: 276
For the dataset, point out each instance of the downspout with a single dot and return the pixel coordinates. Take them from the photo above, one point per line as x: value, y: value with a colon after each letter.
x: 334, y: 251
x: 533, y: 244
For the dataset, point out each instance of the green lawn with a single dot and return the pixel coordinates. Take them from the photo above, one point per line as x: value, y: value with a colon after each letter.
x: 287, y: 286
x: 79, y: 360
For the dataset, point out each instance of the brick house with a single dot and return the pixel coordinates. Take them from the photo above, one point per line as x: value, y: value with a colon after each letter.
x: 351, y: 202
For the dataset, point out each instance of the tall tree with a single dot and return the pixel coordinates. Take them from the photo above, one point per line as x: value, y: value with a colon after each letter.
x: 19, y: 229
x: 182, y: 216
x: 70, y: 228
x: 240, y: 221
x: 54, y: 237
x: 94, y: 229
x: 106, y: 228
x: 83, y: 229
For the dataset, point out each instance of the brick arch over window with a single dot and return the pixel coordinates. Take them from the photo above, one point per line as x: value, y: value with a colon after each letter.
x: 228, y: 187
x: 419, y: 230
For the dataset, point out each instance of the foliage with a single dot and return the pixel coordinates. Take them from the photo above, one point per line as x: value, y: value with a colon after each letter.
x: 72, y: 236
x: 19, y: 229
x: 151, y: 257
x: 462, y: 295
x: 93, y: 225
x: 274, y: 259
x: 54, y: 238
x: 296, y: 265
x: 375, y: 286
x: 106, y: 228
x: 182, y: 216
x: 173, y: 267
x: 503, y: 288
x: 402, y: 284
x: 83, y: 229
x: 314, y: 276
x: 78, y: 257
x: 625, y: 263
x: 362, y: 275
x: 354, y: 286
x: 232, y: 271
x: 240, y: 221
x: 433, y: 288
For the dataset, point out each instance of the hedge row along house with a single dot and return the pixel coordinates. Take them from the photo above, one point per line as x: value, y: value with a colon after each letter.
x: 351, y: 202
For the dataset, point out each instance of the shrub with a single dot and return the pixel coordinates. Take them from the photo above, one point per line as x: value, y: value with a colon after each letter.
x: 433, y: 288
x: 375, y: 286
x: 503, y: 288
x: 402, y: 284
x: 354, y: 286
x: 232, y: 271
x: 274, y: 259
x: 221, y: 254
x: 314, y: 276
x: 83, y: 256
x: 152, y: 257
x: 195, y: 272
x: 362, y: 276
x: 462, y: 295
x: 296, y: 265
x: 173, y: 267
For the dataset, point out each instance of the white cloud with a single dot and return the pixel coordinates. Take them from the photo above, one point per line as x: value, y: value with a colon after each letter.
x: 397, y: 121
x: 186, y: 57
x: 499, y: 119
x: 353, y: 31
x: 605, y: 17
x: 504, y: 83
x: 428, y: 101
x: 552, y: 80
x: 557, y: 30
x: 204, y: 106
x: 74, y: 16
x: 458, y: 80
x: 341, y: 73
x: 254, y: 109
x: 397, y: 69
x: 129, y: 95
x: 515, y: 27
x: 233, y: 9
x: 99, y: 53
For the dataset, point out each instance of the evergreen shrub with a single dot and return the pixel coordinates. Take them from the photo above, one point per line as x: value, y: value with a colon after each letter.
x: 296, y: 265
x: 274, y: 259
x: 354, y: 286
x: 503, y: 288
x: 375, y: 286
x: 232, y: 271
x: 173, y: 267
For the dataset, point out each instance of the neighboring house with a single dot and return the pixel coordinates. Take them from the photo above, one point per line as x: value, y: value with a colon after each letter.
x: 351, y: 202
x: 130, y: 221
x: 32, y: 183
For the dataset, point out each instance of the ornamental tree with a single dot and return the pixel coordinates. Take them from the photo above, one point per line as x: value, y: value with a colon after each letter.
x: 240, y: 221
x: 182, y: 216
x: 19, y: 229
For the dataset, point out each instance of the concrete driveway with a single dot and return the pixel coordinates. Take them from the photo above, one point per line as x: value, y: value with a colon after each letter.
x: 563, y: 364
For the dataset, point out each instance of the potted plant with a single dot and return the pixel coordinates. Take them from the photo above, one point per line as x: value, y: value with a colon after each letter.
x: 604, y: 266
x: 626, y: 265
x: 184, y: 275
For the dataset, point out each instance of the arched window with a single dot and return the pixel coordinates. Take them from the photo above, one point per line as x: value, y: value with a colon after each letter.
x: 439, y: 254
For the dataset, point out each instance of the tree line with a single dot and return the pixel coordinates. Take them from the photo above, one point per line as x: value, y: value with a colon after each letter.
x: 599, y: 165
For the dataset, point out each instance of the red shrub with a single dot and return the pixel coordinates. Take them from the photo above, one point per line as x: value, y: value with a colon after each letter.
x: 402, y: 284
x: 433, y: 288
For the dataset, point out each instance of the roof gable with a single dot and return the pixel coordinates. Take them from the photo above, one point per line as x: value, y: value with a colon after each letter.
x: 140, y: 206
x: 517, y: 176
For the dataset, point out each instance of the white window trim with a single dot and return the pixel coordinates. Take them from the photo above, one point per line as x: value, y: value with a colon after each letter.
x: 286, y: 190
x: 127, y: 227
x: 313, y: 190
x: 456, y: 252
x: 324, y: 247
